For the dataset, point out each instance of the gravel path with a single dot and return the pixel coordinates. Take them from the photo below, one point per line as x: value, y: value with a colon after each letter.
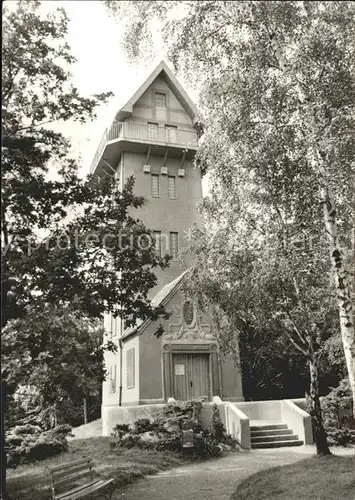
x: 217, y: 479
x: 213, y: 480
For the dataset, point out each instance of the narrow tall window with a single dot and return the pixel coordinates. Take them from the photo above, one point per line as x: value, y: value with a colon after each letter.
x: 152, y: 131
x: 174, y: 245
x: 130, y: 368
x: 170, y: 133
x: 160, y: 100
x: 157, y: 242
x: 155, y: 185
x: 113, y: 379
x: 171, y: 187
x: 110, y: 381
x: 112, y: 326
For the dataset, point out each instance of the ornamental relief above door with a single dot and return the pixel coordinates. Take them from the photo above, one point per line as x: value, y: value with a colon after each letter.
x: 189, y: 324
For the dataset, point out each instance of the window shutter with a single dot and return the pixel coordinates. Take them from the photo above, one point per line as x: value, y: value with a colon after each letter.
x: 155, y: 185
x: 174, y: 245
x: 130, y: 368
x: 171, y: 187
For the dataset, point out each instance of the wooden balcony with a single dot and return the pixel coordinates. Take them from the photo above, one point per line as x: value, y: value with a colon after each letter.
x: 131, y: 136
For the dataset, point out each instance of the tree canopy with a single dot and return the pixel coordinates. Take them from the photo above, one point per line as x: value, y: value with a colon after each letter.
x: 68, y: 242
x: 65, y: 239
x: 57, y: 354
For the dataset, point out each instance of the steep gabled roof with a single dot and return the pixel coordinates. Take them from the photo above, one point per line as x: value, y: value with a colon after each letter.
x: 172, y: 81
x: 160, y: 299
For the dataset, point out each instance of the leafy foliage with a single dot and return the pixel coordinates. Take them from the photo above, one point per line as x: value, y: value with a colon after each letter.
x: 65, y: 240
x: 56, y: 356
x: 270, y: 366
x: 29, y: 443
x: 339, y: 424
x: 60, y: 232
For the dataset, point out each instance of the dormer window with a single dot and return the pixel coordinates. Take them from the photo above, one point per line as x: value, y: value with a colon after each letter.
x: 160, y: 100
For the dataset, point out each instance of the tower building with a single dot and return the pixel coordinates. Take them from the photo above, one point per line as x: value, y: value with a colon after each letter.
x: 154, y: 138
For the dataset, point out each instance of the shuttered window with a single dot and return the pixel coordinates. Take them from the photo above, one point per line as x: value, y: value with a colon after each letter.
x: 174, y: 245
x: 171, y: 187
x: 157, y: 242
x: 160, y: 100
x: 155, y: 185
x: 130, y: 368
x: 112, y: 379
x: 111, y: 326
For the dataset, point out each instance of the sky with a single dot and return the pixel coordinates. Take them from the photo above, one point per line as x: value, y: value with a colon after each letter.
x: 94, y: 38
x: 95, y: 41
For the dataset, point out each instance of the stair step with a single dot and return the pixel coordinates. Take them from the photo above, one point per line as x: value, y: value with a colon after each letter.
x: 270, y: 432
x: 277, y: 444
x: 268, y: 427
x: 283, y: 437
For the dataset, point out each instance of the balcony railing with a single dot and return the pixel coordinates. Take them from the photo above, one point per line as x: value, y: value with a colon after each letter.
x: 168, y: 136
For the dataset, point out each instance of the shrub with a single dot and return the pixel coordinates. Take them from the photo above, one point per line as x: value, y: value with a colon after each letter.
x: 26, y: 429
x: 165, y: 431
x: 338, y: 424
x: 218, y: 426
x: 120, y: 429
x: 206, y: 445
x: 27, y: 443
x: 143, y: 425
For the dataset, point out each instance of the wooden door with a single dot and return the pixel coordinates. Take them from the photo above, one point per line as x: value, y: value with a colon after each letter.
x: 190, y: 376
x: 199, y: 375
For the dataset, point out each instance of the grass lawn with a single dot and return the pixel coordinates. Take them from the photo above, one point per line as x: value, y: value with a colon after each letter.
x: 316, y: 478
x: 32, y: 482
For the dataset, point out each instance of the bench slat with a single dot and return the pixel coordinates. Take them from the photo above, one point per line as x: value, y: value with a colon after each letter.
x: 74, y: 477
x: 77, y: 489
x: 70, y: 464
x: 56, y: 475
x: 85, y: 490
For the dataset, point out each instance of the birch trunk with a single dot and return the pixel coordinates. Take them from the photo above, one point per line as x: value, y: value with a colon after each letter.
x: 345, y: 306
x: 320, y: 436
x: 4, y: 399
x: 85, y: 410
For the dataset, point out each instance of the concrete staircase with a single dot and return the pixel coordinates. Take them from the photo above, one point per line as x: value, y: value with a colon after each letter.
x: 272, y: 435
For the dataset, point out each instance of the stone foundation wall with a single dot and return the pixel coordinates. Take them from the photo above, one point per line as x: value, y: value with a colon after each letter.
x: 113, y: 415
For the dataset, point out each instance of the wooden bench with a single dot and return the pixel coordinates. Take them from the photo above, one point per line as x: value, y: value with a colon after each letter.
x: 78, y: 480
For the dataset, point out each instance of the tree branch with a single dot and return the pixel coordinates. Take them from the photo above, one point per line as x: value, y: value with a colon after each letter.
x: 298, y: 347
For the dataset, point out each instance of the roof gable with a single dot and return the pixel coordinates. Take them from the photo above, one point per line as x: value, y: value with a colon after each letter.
x: 173, y: 83
x: 161, y: 298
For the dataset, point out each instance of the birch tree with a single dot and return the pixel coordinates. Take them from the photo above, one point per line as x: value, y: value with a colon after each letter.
x: 277, y: 78
x: 252, y: 267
